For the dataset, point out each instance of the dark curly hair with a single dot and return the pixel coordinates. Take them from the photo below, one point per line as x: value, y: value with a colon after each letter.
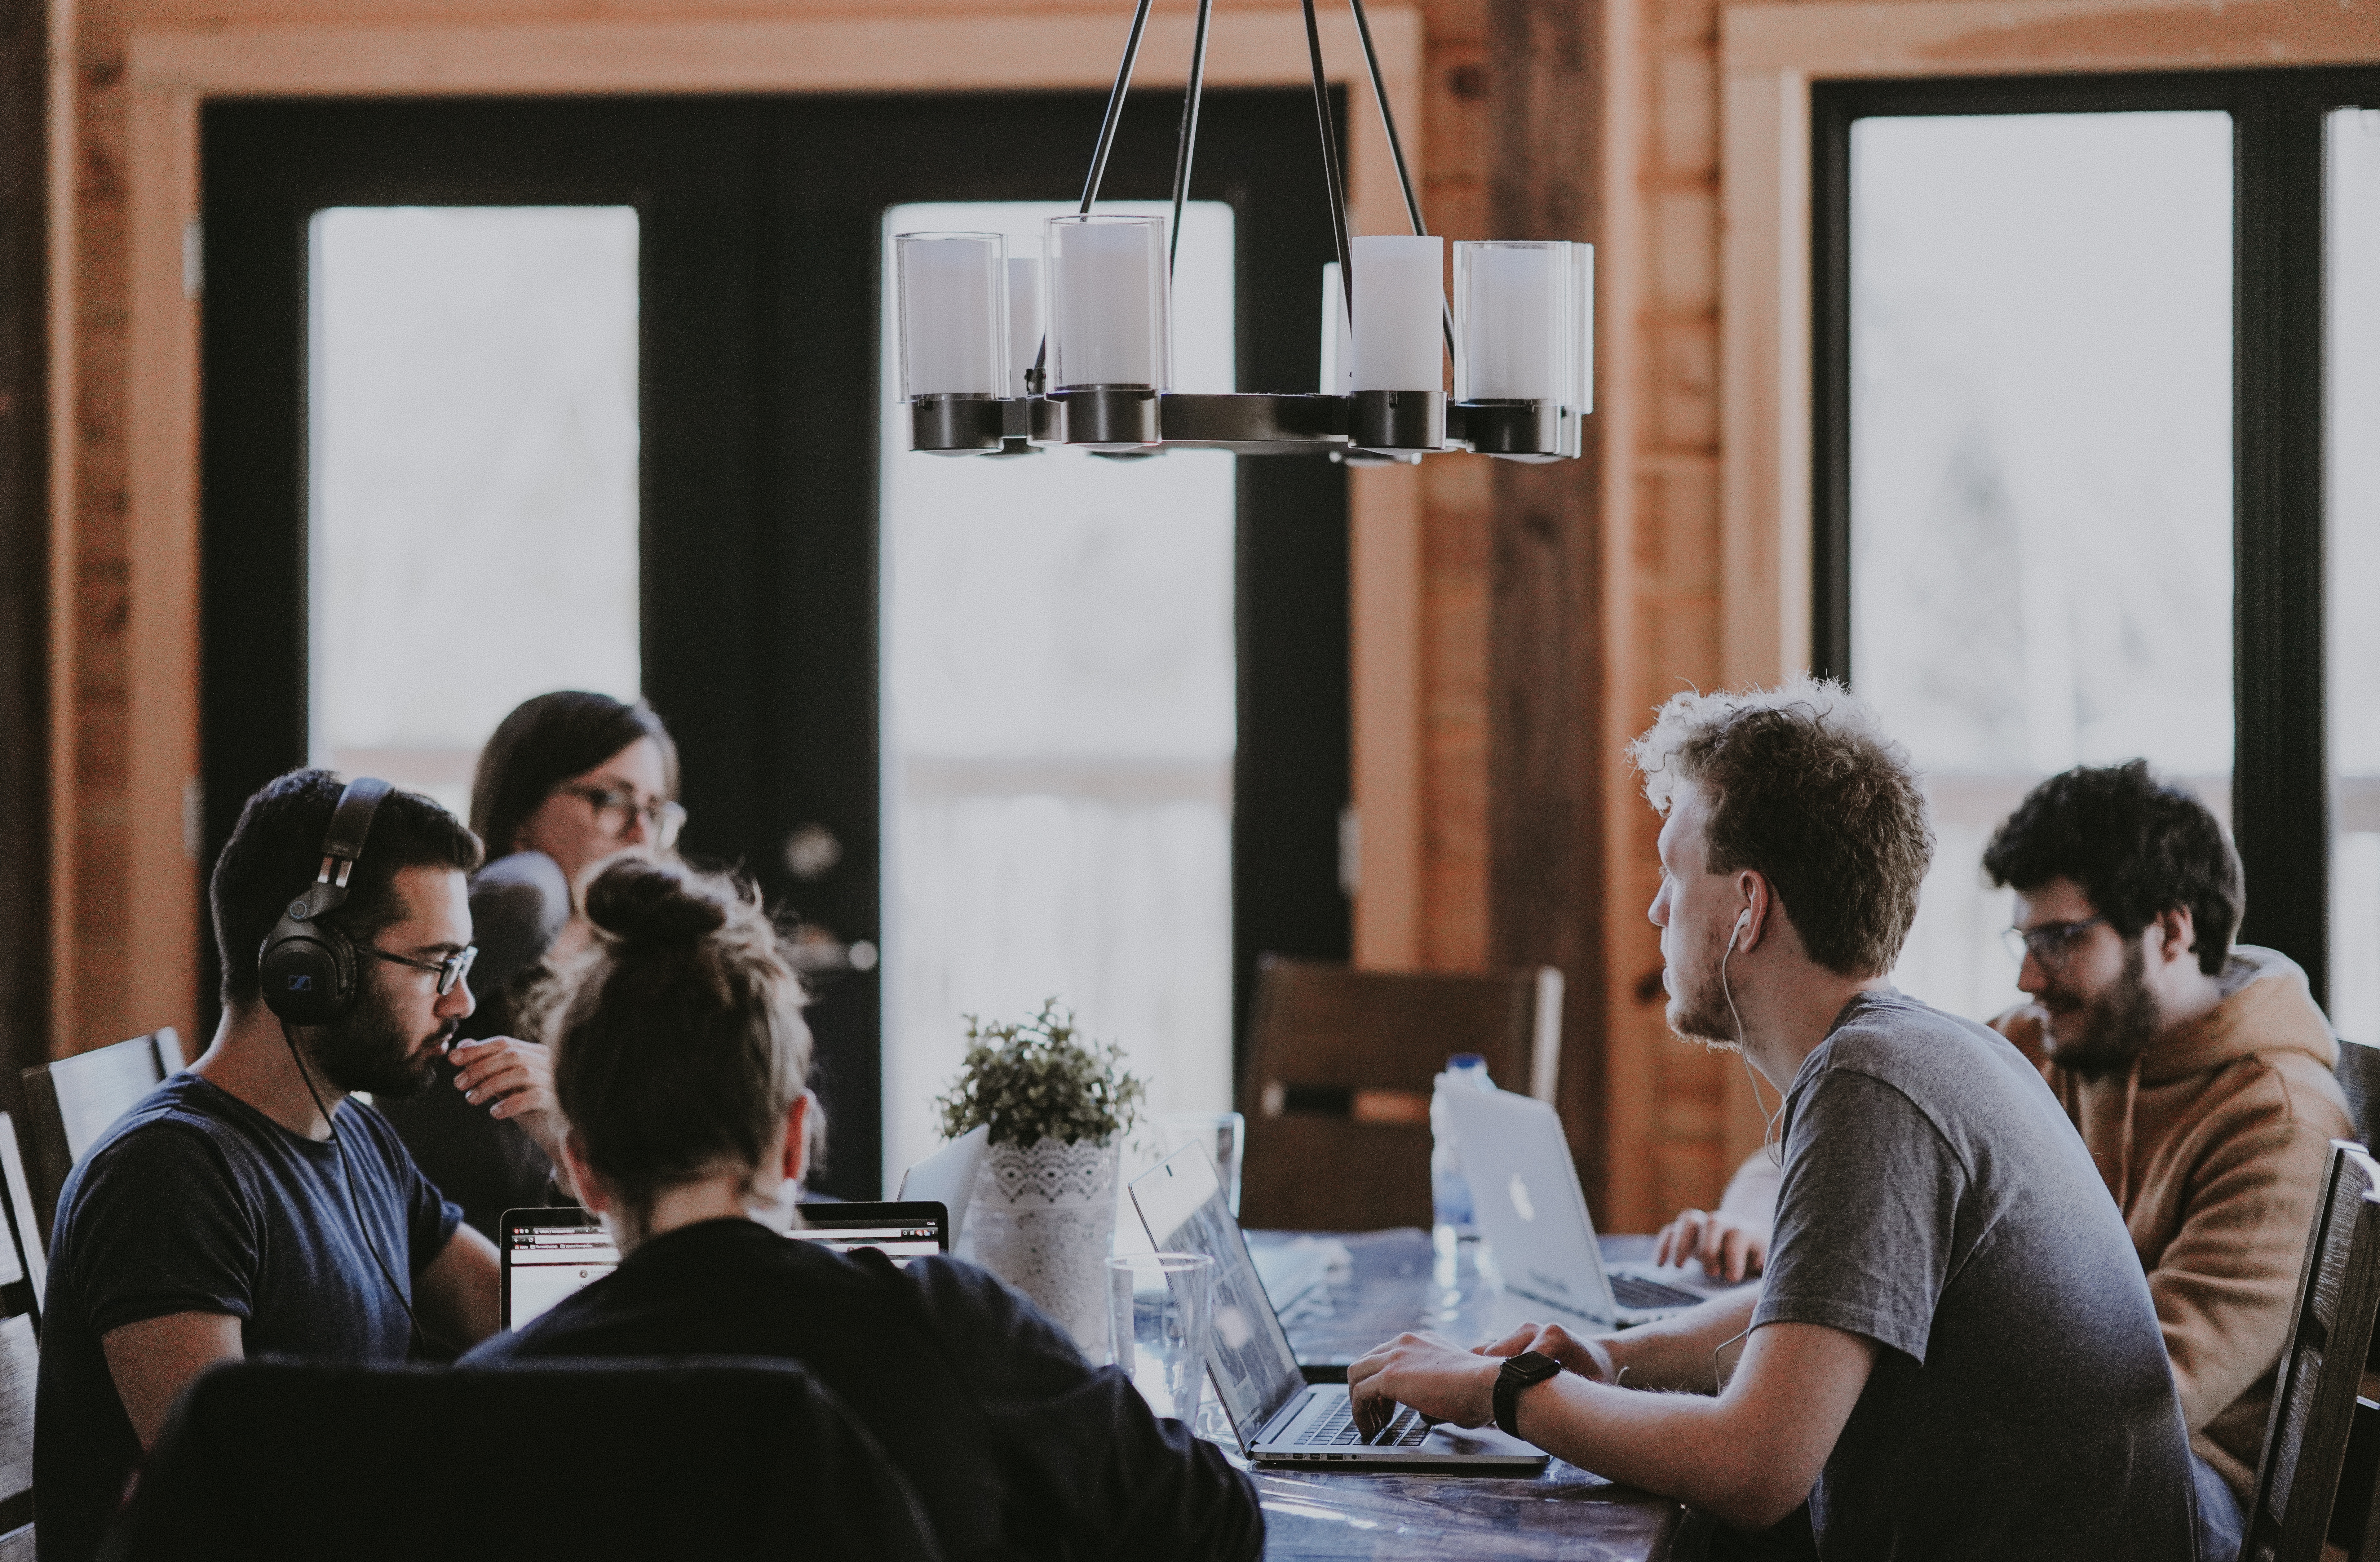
x: 1804, y: 788
x: 2137, y: 846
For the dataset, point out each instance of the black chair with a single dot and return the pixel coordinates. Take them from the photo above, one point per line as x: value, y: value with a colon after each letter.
x: 2322, y: 1368
x: 2359, y: 1077
x: 574, y: 1460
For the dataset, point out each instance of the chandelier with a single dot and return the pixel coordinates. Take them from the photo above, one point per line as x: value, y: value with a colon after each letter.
x: 1005, y: 355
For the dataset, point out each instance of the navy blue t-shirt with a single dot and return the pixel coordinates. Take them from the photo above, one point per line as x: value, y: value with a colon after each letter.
x: 195, y: 1202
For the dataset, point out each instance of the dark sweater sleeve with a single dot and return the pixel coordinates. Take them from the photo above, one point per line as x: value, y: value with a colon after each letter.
x: 1134, y: 1485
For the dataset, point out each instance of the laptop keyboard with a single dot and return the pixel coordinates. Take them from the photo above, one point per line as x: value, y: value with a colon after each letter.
x: 1338, y: 1430
x: 1635, y: 1292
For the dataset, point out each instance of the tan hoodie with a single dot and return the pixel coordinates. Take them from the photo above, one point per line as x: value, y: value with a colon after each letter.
x: 2214, y: 1146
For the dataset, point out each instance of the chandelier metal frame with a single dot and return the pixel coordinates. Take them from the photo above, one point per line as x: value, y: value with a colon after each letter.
x: 1364, y: 426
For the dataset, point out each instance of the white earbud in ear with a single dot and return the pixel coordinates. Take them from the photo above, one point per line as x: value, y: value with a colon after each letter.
x: 1742, y: 918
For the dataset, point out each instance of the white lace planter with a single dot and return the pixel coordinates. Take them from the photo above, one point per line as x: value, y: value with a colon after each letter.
x: 1042, y: 1219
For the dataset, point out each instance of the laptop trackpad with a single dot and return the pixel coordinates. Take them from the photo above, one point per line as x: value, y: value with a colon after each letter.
x: 1474, y: 1441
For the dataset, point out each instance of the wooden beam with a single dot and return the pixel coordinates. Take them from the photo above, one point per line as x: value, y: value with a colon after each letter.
x: 1547, y: 670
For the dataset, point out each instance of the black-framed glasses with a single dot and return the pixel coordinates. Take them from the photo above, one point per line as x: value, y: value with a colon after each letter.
x: 2053, y: 944
x: 450, y: 971
x: 616, y: 805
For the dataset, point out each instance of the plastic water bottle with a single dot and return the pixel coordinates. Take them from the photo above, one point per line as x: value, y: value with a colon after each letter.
x: 1449, y: 1191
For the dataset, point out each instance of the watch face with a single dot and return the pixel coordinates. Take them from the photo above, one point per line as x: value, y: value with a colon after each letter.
x: 1534, y: 1366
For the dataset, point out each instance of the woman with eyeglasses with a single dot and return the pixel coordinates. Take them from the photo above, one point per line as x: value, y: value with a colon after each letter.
x: 566, y: 781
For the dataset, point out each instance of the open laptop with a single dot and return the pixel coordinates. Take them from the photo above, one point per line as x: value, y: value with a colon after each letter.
x: 947, y: 1176
x: 1278, y: 1416
x: 1525, y: 1196
x: 548, y: 1253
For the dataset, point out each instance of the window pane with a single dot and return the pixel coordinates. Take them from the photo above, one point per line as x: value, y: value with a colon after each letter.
x: 2041, y: 474
x: 1059, y: 722
x: 473, y: 451
x: 2351, y: 203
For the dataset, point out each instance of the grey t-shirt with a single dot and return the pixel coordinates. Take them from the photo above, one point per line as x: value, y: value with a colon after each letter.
x: 1936, y: 1200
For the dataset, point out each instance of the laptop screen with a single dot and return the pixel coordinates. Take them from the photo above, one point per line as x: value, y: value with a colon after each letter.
x: 1254, y: 1370
x: 904, y: 1231
x: 549, y: 1253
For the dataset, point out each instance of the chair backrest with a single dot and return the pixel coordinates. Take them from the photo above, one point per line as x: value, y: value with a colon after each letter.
x: 69, y: 1103
x: 1338, y: 1083
x: 21, y: 1278
x: 2359, y: 1077
x: 2321, y: 1367
x: 723, y: 1458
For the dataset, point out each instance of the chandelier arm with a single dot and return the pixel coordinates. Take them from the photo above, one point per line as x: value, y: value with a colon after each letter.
x: 1114, y: 116
x: 1388, y: 117
x: 1187, y: 142
x: 1331, y: 161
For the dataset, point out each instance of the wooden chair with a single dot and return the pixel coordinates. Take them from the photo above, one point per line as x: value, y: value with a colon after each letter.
x: 1338, y: 1083
x: 71, y: 1102
x: 2358, y: 1076
x: 2322, y: 1368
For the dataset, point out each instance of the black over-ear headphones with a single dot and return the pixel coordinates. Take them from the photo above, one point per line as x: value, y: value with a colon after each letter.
x: 306, y: 968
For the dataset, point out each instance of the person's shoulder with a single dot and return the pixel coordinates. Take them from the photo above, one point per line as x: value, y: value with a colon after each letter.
x: 1888, y: 1033
x: 523, y: 881
x: 184, y: 1117
x: 968, y: 1302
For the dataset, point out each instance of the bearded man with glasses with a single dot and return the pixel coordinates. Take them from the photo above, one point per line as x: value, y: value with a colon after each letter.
x: 2199, y: 1072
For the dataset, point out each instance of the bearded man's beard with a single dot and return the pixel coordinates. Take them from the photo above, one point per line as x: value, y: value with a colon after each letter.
x: 2118, y: 1025
x: 1698, y: 1010
x: 368, y: 1050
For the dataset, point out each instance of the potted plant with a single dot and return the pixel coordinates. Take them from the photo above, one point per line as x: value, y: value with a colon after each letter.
x: 1055, y: 1108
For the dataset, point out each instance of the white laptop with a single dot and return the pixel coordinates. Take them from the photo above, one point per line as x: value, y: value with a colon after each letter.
x: 947, y: 1176
x: 1525, y: 1196
x: 1278, y: 1417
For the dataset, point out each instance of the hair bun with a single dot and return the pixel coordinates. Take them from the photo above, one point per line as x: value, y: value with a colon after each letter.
x: 639, y: 901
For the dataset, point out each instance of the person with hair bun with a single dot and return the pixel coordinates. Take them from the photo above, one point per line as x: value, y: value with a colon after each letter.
x: 680, y: 1067
x: 567, y: 780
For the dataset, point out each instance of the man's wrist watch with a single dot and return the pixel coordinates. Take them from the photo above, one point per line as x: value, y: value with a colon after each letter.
x: 1524, y: 1370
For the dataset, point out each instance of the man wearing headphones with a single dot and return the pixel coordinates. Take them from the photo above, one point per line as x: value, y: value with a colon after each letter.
x: 247, y: 1206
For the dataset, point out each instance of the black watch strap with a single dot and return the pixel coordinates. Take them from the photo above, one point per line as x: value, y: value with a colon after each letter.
x: 1524, y: 1370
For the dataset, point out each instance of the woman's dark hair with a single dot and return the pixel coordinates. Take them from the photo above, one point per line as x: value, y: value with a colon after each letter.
x: 546, y: 741
x: 678, y: 1040
x: 2137, y: 846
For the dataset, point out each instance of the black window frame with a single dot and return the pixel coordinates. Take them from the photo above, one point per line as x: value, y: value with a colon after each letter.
x: 2280, y: 787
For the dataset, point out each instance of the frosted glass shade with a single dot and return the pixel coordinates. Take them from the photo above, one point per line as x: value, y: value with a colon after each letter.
x: 953, y: 296
x: 1109, y: 315
x: 1024, y: 321
x: 1582, y: 364
x: 1338, y: 375
x: 1400, y: 307
x: 1513, y: 302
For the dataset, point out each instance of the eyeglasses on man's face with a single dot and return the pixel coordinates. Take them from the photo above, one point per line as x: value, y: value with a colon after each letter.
x: 614, y: 807
x: 2052, y: 944
x: 450, y: 971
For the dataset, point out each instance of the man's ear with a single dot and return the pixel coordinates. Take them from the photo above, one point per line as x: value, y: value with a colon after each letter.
x: 2178, y: 929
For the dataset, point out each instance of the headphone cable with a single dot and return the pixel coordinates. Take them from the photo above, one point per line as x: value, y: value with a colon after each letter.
x: 347, y: 1186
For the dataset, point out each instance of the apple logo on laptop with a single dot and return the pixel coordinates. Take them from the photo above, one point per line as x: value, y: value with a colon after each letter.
x: 1521, y: 1204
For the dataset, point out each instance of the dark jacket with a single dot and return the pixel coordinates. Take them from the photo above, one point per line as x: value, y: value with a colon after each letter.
x: 1017, y: 1447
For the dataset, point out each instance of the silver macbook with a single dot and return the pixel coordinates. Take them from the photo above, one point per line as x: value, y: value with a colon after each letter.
x: 1278, y: 1416
x: 1525, y: 1193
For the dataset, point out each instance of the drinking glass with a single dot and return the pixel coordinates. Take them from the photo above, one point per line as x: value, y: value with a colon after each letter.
x: 1160, y: 1309
x: 1224, y: 1134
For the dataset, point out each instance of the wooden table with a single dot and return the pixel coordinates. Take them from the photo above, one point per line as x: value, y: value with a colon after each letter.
x: 1394, y: 1280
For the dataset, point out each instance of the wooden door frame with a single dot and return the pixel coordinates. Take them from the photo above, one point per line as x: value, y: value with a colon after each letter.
x: 172, y: 73
x: 1769, y: 54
